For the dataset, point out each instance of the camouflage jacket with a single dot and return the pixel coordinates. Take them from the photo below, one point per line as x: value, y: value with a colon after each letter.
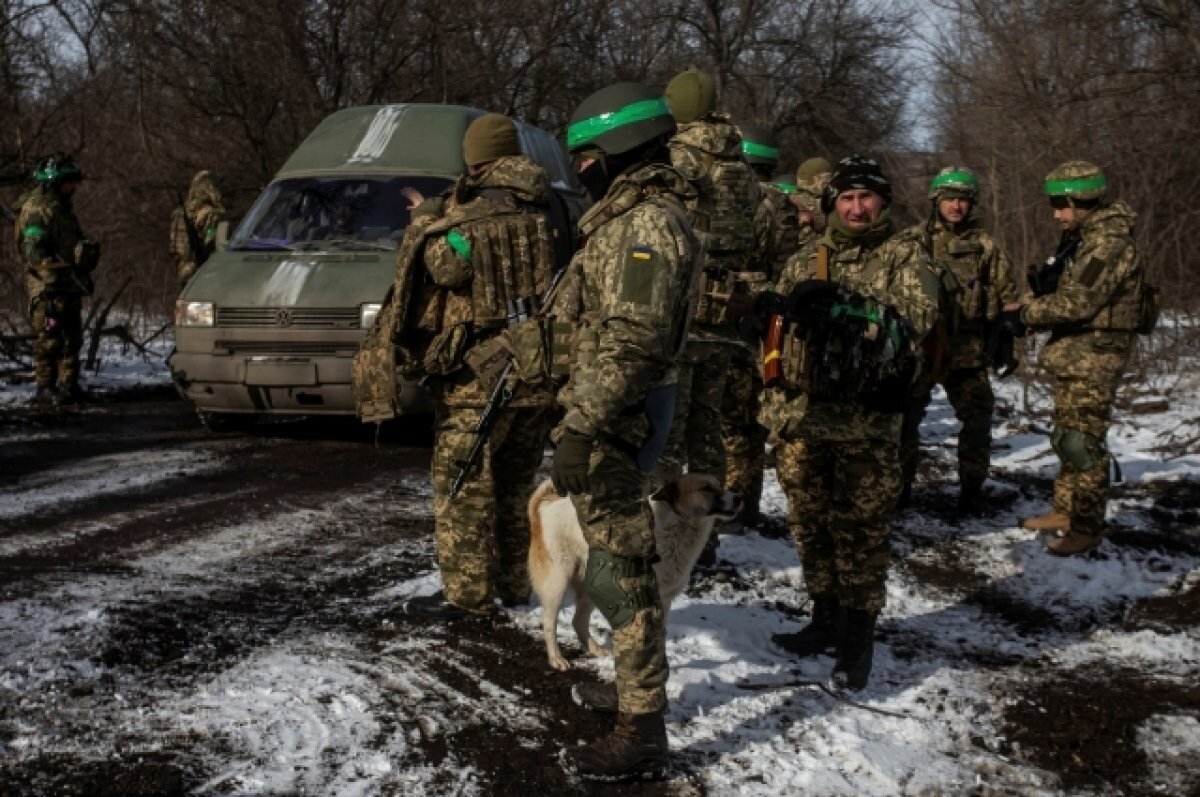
x: 984, y: 284
x: 778, y: 227
x: 890, y: 269
x: 204, y: 210
x: 49, y: 238
x: 1097, y: 306
x: 725, y: 210
x: 629, y: 295
x: 468, y: 288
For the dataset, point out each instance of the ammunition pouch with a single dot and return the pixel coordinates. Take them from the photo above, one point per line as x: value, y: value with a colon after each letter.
x: 717, y: 285
x: 1076, y: 450
x: 444, y: 354
x: 488, y: 359
x: 601, y: 582
x: 562, y: 335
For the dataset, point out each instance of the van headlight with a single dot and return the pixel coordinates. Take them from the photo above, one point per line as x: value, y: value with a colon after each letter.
x: 367, y: 313
x: 194, y: 314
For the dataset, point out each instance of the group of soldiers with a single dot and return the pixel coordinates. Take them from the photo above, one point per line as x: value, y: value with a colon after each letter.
x: 59, y: 260
x: 709, y: 307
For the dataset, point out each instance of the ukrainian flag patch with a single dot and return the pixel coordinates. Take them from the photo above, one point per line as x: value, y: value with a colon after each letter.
x: 642, y: 253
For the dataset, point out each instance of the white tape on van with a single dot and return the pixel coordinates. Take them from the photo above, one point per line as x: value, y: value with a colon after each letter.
x: 375, y: 140
x: 283, y: 289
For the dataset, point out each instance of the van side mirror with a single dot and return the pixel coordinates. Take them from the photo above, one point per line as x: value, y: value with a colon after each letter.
x: 222, y: 237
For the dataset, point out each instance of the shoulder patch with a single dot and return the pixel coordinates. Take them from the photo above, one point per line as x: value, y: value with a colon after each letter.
x: 638, y: 275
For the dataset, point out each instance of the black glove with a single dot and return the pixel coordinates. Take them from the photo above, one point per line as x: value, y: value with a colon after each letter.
x: 569, y: 467
x: 1010, y: 321
x: 811, y: 299
x: 1001, y: 354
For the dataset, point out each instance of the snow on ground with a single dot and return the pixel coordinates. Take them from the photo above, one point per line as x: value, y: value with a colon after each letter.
x: 301, y: 714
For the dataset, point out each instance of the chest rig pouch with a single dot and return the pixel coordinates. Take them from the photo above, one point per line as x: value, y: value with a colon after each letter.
x: 730, y: 242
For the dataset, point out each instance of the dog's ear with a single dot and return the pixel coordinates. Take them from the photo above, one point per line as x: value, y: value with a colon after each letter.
x: 669, y: 492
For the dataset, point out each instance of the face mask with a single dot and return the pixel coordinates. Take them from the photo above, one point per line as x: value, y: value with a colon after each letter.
x: 595, y: 179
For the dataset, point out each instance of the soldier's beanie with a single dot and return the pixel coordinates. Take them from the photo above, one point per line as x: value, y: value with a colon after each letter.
x: 1076, y: 180
x: 813, y: 174
x: 691, y: 95
x: 855, y: 172
x: 490, y: 137
x: 954, y: 181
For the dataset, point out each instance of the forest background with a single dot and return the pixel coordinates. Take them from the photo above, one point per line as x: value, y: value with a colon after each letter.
x: 147, y: 92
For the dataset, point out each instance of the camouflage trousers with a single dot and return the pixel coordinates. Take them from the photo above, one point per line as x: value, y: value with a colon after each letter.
x: 56, y: 350
x: 694, y: 442
x: 841, y: 495
x: 616, y: 517
x: 970, y: 394
x: 483, y: 533
x: 745, y: 438
x: 1084, y: 406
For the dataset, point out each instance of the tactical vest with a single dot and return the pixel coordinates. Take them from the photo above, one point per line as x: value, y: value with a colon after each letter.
x: 512, y: 257
x: 730, y: 243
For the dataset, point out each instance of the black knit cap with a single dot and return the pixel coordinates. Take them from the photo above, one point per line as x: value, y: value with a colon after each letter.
x: 855, y: 171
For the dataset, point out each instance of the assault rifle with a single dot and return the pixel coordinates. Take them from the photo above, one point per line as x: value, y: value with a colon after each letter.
x: 1043, y: 279
x: 519, y: 310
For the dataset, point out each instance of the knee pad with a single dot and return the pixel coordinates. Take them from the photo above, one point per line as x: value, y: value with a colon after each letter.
x: 601, y: 584
x: 1075, y: 449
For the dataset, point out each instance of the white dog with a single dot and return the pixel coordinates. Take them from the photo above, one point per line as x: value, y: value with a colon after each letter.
x: 685, y: 511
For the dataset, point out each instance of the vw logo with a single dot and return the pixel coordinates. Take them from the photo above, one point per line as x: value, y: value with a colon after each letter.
x: 283, y: 317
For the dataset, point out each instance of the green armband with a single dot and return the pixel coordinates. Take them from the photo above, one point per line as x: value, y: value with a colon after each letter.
x: 33, y: 231
x: 459, y: 243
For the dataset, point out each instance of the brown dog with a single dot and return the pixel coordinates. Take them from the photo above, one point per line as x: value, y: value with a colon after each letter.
x: 685, y: 511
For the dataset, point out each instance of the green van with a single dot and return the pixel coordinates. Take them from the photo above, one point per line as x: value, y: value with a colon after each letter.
x: 270, y: 323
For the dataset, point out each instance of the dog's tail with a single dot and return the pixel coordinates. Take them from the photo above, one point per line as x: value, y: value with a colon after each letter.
x: 538, y: 557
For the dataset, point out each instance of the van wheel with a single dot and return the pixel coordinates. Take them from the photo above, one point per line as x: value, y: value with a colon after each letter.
x: 227, y: 421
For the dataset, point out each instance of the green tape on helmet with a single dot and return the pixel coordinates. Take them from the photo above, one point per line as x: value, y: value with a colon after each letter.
x: 754, y: 150
x: 956, y: 180
x: 785, y: 187
x: 459, y: 243
x: 1078, y: 186
x: 587, y: 130
x: 33, y: 231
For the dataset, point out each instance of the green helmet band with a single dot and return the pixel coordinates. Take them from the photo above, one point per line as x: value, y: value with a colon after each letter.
x: 53, y: 172
x: 1076, y: 186
x: 955, y: 181
x: 587, y: 130
x: 754, y: 150
x: 785, y: 187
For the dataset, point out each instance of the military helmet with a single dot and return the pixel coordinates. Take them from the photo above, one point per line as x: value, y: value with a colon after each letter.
x: 57, y: 168
x: 619, y: 118
x: 691, y: 95
x: 954, y: 181
x: 760, y: 145
x: 853, y: 172
x: 490, y: 137
x: 785, y: 182
x: 1076, y: 180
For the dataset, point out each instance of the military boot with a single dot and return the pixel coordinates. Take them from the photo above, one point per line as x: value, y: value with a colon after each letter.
x: 635, y: 750
x: 1051, y: 521
x: 855, y: 650
x: 818, y: 636
x: 1073, y: 542
x: 600, y: 698
x: 45, y: 396
x: 972, y: 502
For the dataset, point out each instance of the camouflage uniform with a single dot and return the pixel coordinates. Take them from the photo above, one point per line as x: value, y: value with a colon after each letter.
x: 1092, y: 318
x: 985, y: 283
x: 838, y: 460
x: 51, y: 243
x: 629, y: 292
x: 202, y: 211
x: 811, y: 178
x: 483, y: 532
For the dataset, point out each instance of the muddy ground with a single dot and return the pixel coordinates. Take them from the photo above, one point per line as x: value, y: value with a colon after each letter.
x: 166, y: 636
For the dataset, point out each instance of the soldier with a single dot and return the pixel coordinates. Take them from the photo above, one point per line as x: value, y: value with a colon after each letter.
x: 630, y: 290
x: 707, y: 150
x: 58, y: 261
x: 778, y: 227
x: 811, y: 178
x: 954, y: 237
x: 487, y: 239
x: 1101, y: 301
x: 194, y: 226
x: 834, y: 406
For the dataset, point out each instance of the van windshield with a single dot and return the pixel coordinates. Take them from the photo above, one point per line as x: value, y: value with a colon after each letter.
x: 312, y: 214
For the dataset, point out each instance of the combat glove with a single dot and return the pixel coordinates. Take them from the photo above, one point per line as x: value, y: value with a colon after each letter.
x: 569, y: 468
x: 811, y: 299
